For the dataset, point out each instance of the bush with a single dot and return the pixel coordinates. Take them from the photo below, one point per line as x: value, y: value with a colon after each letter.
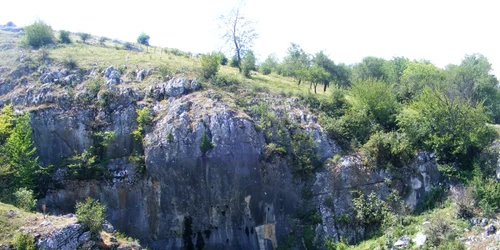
x: 64, y: 36
x: 439, y: 231
x: 248, y: 64
x: 69, y: 62
x: 206, y: 144
x: 143, y: 39
x: 235, y: 63
x: 143, y: 119
x: 92, y: 214
x: 84, y: 36
x: 221, y: 80
x: 464, y: 200
x: 25, y: 199
x: 209, y: 65
x: 38, y: 34
x: 23, y: 241
x: 369, y: 210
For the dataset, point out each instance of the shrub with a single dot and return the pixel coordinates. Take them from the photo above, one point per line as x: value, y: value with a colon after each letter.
x: 25, y: 199
x: 69, y: 62
x: 143, y: 119
x: 92, y: 214
x: 235, y: 63
x: 369, y: 210
x: 164, y: 71
x: 23, y: 241
x: 439, y: 231
x: 84, y: 36
x: 206, y: 144
x: 94, y: 85
x: 143, y: 39
x: 84, y: 166
x: 221, y: 80
x: 387, y: 149
x: 248, y: 64
x: 464, y: 200
x: 64, y: 36
x: 486, y: 191
x: 38, y: 34
x: 209, y: 65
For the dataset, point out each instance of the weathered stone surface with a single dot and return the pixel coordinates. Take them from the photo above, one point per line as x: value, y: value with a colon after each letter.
x: 176, y: 87
x: 420, y: 239
x: 349, y: 173
x: 64, y: 239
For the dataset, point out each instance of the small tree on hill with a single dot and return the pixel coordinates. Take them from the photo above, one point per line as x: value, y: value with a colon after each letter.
x: 84, y: 36
x: 248, y: 64
x: 143, y: 39
x: 209, y: 65
x: 64, y: 36
x: 38, y: 34
x: 92, y: 214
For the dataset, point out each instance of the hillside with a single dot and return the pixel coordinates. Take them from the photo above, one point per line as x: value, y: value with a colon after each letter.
x: 186, y: 152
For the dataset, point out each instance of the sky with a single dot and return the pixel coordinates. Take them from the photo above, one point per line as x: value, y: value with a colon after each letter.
x: 441, y: 31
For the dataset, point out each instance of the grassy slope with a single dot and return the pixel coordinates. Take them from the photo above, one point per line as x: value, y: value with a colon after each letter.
x: 9, y: 225
x: 93, y: 54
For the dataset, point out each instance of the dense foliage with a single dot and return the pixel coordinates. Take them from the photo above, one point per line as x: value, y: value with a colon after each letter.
x: 38, y: 34
x: 92, y: 214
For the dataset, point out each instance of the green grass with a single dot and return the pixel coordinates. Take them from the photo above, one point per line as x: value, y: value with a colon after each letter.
x: 9, y: 225
x: 96, y: 55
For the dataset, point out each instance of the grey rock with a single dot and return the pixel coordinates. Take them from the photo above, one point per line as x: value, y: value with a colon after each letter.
x: 11, y: 213
x: 420, y: 239
x: 176, y: 87
x: 113, y: 239
x: 88, y: 245
x: 402, y: 242
x: 65, y: 238
x: 195, y: 85
x: 141, y: 74
x: 84, y: 237
x: 490, y: 230
x: 45, y: 224
x: 484, y: 222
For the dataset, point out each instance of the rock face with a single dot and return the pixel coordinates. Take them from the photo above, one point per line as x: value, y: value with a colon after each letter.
x: 335, y: 185
x: 224, y: 198
x: 67, y: 238
x: 229, y: 197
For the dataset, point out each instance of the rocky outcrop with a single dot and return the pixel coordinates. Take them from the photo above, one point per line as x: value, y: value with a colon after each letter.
x: 334, y: 190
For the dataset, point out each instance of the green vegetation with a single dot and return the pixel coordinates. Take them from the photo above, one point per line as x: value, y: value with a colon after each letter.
x: 143, y: 119
x: 209, y: 65
x: 206, y: 144
x: 92, y: 214
x: 38, y: 34
x: 64, y: 36
x: 23, y: 241
x: 84, y: 36
x: 25, y: 199
x: 143, y: 39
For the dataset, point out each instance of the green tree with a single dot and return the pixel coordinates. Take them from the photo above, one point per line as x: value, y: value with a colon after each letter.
x: 64, y: 36
x: 269, y: 65
x: 38, y: 34
x: 84, y: 36
x: 206, y: 144
x: 92, y: 214
x: 472, y: 79
x: 248, y: 63
x: 20, y: 153
x: 209, y: 65
x: 25, y: 199
x: 295, y: 63
x: 6, y: 122
x: 416, y: 76
x: 143, y: 39
x: 378, y: 99
x: 452, y: 127
x: 318, y: 75
x: 371, y: 67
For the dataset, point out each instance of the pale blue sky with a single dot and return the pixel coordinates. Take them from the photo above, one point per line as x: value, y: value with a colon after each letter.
x: 440, y: 31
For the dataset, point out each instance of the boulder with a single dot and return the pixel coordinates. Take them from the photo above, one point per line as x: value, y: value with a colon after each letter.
x: 490, y: 230
x: 420, y: 239
x: 402, y: 242
x: 176, y: 87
